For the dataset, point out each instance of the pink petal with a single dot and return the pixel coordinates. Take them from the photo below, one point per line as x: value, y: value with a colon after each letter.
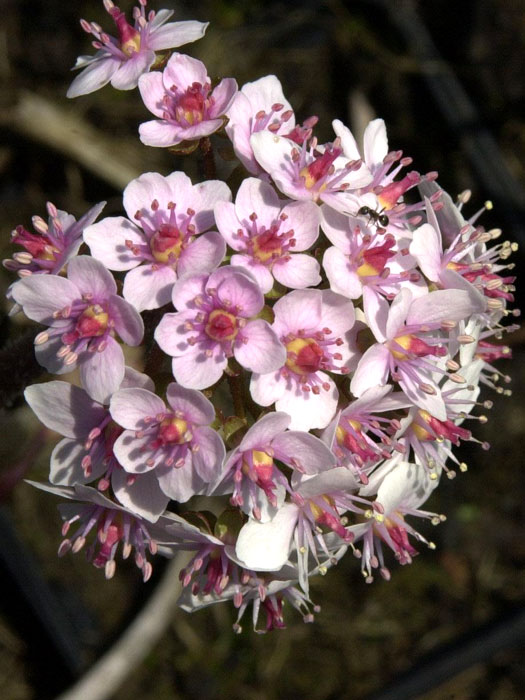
x: 308, y: 410
x: 129, y: 407
x: 304, y: 219
x: 181, y: 483
x: 185, y: 291
x: 375, y: 143
x: 149, y: 286
x: 235, y: 288
x: 172, y: 334
x: 255, y: 196
x: 102, y: 373
x: 126, y: 77
x: 261, y: 273
x: 348, y: 141
x: 338, y: 227
x: 160, y: 134
x: 337, y: 312
x: 298, y: 310
x: 175, y: 34
x: 261, y: 434
x: 308, y: 452
x: 143, y: 496
x: 128, y: 322
x: 152, y: 91
x: 183, y: 71
x: 64, y: 408
x: 195, y: 370
x: 297, y: 272
x: 195, y: 407
x: 263, y: 352
x: 142, y: 191
x: 94, y: 76
x: 208, y: 194
x: 133, y: 453
x: 267, y: 388
x: 107, y: 242
x: 340, y: 275
x: 398, y: 313
x: 446, y: 304
x: 41, y: 295
x: 223, y: 95
x: 373, y: 369
x: 91, y: 277
x: 376, y: 310
x: 204, y: 254
x: 228, y: 224
x: 207, y: 460
x: 426, y: 248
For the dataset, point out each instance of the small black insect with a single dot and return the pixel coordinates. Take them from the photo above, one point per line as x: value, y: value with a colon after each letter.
x: 377, y: 216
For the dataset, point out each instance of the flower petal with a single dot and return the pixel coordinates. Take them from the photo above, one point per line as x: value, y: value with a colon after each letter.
x: 260, y: 350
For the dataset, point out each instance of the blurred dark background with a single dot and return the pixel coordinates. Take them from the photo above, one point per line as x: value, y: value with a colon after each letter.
x: 447, y: 78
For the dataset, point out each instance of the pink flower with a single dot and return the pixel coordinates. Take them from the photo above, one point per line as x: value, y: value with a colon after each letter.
x: 86, y: 452
x: 402, y: 491
x: 268, y: 236
x: 49, y: 249
x: 410, y: 333
x: 82, y: 313
x: 317, y: 502
x: 176, y: 442
x: 214, y: 322
x: 365, y: 262
x: 250, y: 470
x: 121, y: 61
x: 182, y: 99
x: 309, y: 171
x: 351, y: 434
x: 313, y: 326
x: 259, y: 106
x: 165, y: 242
x: 107, y: 525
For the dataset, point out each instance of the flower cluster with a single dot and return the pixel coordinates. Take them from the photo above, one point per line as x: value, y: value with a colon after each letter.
x: 327, y: 327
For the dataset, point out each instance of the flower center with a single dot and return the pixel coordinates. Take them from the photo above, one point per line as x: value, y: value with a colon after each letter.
x: 375, y: 259
x: 129, y: 36
x: 191, y: 106
x: 262, y: 463
x: 221, y: 325
x: 267, y: 245
x: 173, y: 430
x: 92, y: 322
x: 319, y: 168
x: 166, y: 243
x: 413, y: 346
x: 304, y: 355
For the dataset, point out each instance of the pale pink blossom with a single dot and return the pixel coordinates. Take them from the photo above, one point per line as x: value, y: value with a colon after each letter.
x: 314, y: 326
x: 175, y: 442
x: 181, y: 97
x: 82, y: 313
x: 403, y: 490
x: 122, y: 61
x: 311, y: 172
x: 49, y: 249
x: 410, y: 333
x: 261, y: 105
x: 163, y: 237
x: 251, y: 474
x: 216, y: 321
x: 269, y: 237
